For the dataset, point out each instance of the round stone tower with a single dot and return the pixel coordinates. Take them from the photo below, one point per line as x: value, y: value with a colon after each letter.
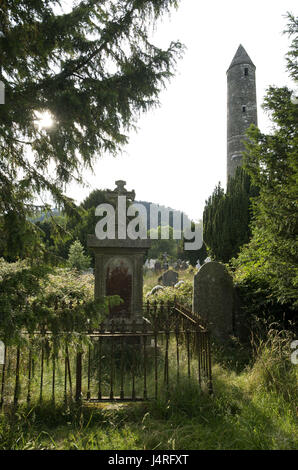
x: 242, y: 106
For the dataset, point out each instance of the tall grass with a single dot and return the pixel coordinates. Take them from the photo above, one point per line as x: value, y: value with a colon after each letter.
x: 253, y: 407
x: 273, y: 370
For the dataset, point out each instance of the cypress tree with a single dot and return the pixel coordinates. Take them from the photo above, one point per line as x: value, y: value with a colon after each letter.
x: 227, y: 216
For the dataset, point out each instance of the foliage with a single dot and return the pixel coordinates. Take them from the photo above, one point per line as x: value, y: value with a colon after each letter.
x: 19, y: 237
x: 292, y: 56
x: 193, y: 256
x: 227, y: 217
x: 76, y: 257
x: 88, y: 220
x: 254, y: 277
x: 57, y: 233
x: 37, y: 298
x: 66, y: 303
x: 94, y: 199
x: 18, y: 282
x: 60, y: 231
x: 93, y: 69
x: 182, y: 294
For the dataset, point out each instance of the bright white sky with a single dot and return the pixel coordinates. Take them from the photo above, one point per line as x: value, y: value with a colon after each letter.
x: 178, y: 154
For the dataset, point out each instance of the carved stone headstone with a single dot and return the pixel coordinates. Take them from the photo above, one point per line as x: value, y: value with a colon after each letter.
x: 169, y: 278
x: 213, y: 298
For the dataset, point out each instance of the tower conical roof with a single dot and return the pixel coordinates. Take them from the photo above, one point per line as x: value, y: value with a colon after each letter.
x: 241, y: 57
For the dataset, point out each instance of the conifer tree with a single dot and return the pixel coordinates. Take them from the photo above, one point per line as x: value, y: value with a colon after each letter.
x: 93, y: 69
x: 227, y: 216
x: 77, y: 258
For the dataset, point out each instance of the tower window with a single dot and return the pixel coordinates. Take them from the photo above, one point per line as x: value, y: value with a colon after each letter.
x: 244, y: 109
x: 246, y: 71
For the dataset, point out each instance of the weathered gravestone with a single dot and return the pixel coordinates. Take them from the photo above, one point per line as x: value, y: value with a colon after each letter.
x: 213, y: 294
x: 169, y: 278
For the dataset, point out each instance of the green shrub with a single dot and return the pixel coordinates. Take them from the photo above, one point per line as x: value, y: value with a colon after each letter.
x: 36, y: 298
x: 77, y: 258
x: 182, y: 294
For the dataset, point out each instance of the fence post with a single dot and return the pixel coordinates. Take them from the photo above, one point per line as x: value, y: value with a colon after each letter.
x: 199, y: 354
x: 210, y: 387
x: 17, y: 382
x: 79, y: 377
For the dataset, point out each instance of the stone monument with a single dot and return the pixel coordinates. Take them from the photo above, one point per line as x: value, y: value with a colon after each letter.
x: 213, y: 297
x: 119, y: 266
x: 169, y: 278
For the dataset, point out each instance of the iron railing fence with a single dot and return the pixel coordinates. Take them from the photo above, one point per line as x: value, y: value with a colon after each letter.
x: 120, y: 361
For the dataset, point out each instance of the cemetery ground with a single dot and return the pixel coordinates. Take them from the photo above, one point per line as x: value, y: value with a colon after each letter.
x: 253, y: 407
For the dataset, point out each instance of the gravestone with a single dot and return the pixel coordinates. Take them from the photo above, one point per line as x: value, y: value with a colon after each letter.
x: 169, y: 278
x: 213, y: 294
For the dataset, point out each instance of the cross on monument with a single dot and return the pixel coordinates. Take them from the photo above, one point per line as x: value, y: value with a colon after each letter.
x: 120, y: 190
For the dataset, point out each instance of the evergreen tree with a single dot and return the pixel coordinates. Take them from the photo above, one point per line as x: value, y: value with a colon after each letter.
x: 227, y: 216
x: 94, y: 70
x: 94, y: 199
x: 77, y: 258
x: 58, y: 233
x: 193, y: 255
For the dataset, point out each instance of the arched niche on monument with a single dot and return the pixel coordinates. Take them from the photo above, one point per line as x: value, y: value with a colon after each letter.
x: 118, y: 277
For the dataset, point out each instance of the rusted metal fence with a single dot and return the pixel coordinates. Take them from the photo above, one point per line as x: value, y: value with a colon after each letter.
x: 120, y: 361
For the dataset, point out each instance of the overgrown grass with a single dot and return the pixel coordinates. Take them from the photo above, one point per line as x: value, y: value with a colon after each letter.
x: 253, y: 407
